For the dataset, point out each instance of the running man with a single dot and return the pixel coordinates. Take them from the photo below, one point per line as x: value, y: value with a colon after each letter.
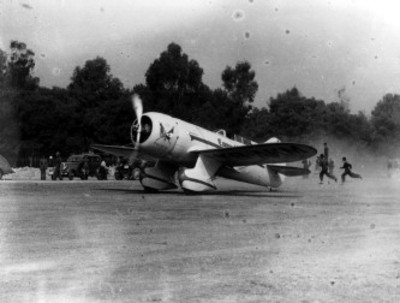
x: 324, y: 170
x: 347, y: 171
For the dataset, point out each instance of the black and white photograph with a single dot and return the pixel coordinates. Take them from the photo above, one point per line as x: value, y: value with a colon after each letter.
x: 199, y: 151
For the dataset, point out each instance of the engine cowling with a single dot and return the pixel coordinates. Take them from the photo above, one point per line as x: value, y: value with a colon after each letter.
x: 146, y: 129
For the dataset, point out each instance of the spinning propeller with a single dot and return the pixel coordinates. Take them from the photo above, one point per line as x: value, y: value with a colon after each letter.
x: 138, y: 108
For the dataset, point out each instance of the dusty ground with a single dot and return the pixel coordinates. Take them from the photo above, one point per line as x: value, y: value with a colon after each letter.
x: 110, y: 242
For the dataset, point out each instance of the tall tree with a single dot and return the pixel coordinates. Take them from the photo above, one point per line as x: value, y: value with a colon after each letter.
x: 258, y: 126
x: 94, y: 82
x: 240, y: 88
x: 174, y: 81
x: 239, y: 83
x: 97, y: 90
x: 337, y: 120
x: 361, y: 129
x: 9, y: 125
x: 3, y: 67
x: 294, y: 116
x: 49, y: 122
x: 174, y: 86
x: 344, y: 99
x: 20, y: 67
x: 385, y: 120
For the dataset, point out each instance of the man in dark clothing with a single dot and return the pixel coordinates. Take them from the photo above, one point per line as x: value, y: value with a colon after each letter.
x: 57, y: 167
x: 347, y: 171
x: 324, y: 169
x: 85, y: 168
x: 43, y: 167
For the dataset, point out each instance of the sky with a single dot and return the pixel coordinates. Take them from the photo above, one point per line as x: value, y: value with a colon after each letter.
x: 318, y: 46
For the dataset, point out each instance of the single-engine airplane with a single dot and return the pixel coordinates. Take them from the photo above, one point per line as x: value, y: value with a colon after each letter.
x: 200, y: 155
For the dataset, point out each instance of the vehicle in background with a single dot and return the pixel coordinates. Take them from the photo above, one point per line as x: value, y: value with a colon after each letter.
x: 102, y: 171
x: 83, y: 166
x: 63, y: 171
x: 126, y: 171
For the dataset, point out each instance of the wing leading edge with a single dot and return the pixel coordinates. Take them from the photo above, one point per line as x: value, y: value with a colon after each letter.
x: 260, y: 154
x: 116, y: 150
x: 119, y: 151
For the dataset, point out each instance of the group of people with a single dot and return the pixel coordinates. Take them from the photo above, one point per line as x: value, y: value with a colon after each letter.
x: 59, y: 168
x: 56, y: 163
x: 327, y: 166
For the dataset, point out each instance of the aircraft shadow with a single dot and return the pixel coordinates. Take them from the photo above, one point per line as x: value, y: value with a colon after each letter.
x: 235, y: 193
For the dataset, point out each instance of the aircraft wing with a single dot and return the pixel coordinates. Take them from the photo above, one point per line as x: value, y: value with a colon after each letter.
x: 124, y: 151
x: 260, y: 153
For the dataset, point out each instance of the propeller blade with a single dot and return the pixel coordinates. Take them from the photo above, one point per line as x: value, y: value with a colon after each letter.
x: 138, y: 108
x: 133, y: 156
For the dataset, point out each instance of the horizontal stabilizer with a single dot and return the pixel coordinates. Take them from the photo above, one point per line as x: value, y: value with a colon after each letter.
x: 260, y: 154
x: 289, y: 171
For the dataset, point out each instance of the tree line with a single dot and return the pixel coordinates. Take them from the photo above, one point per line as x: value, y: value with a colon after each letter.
x: 95, y: 107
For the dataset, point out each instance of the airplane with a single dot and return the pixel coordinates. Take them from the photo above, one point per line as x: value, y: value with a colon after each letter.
x: 200, y: 155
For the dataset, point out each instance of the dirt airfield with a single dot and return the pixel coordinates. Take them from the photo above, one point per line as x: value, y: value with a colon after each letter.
x: 108, y: 241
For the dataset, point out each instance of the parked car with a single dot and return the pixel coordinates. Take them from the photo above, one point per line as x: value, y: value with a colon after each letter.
x: 127, y: 172
x: 63, y: 170
x: 83, y: 166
